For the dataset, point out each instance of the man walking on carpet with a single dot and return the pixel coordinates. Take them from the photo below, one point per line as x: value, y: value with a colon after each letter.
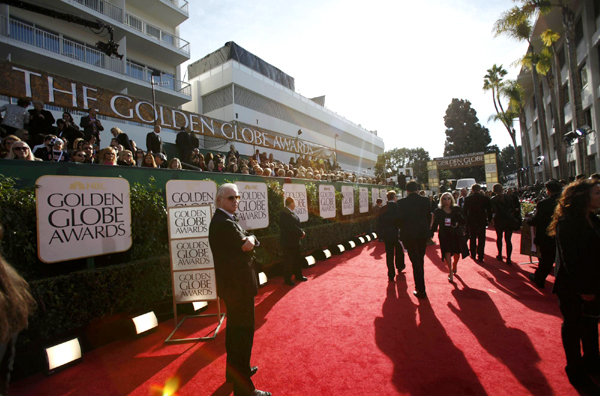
x: 478, y: 211
x: 415, y: 217
x: 237, y: 284
x: 388, y: 216
x: 291, y: 234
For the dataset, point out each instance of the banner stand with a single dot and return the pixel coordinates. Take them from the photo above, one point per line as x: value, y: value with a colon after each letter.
x: 219, y: 315
x: 527, y: 246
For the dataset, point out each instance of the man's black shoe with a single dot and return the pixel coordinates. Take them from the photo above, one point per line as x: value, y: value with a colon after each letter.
x: 289, y: 282
x: 260, y: 393
x: 401, y: 268
x: 391, y: 278
x: 480, y: 259
x: 301, y: 279
x: 473, y: 256
x: 419, y: 294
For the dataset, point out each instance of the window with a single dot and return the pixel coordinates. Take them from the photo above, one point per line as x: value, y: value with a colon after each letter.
x: 578, y: 32
x: 566, y: 93
x: 554, y: 141
x: 562, y: 56
x: 592, y: 164
x: 569, y: 127
x: 583, y: 75
x: 587, y: 116
x: 535, y: 128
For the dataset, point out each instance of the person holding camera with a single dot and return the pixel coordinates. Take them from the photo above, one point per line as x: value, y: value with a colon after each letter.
x: 55, y: 151
x: 577, y: 231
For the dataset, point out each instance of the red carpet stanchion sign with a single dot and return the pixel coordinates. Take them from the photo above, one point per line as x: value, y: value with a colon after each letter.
x: 189, y: 211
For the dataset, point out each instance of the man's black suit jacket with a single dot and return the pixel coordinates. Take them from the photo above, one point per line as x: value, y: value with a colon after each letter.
x: 236, y: 275
x: 478, y: 210
x: 154, y: 143
x: 42, y: 126
x: 542, y: 219
x: 88, y: 129
x: 389, y: 221
x: 414, y: 212
x: 289, y: 225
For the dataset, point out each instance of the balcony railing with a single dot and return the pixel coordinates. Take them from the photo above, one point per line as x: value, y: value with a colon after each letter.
x: 168, y: 81
x: 183, y: 8
x: 150, y: 30
x: 112, y: 11
x: 29, y: 35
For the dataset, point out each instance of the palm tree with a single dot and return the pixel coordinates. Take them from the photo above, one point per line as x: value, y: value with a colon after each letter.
x: 550, y: 67
x: 543, y: 7
x: 493, y: 81
x: 515, y: 94
x: 515, y: 23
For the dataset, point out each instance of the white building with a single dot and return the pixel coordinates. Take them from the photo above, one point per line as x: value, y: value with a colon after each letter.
x: 147, y: 32
x: 587, y: 38
x: 226, y: 88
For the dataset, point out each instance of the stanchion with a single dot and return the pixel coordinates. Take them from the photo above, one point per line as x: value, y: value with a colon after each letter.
x: 219, y: 315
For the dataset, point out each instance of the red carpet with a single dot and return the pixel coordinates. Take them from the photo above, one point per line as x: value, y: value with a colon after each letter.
x: 348, y: 332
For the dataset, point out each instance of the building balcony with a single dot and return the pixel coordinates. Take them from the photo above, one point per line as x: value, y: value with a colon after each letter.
x: 172, y: 12
x: 146, y: 37
x: 37, y: 48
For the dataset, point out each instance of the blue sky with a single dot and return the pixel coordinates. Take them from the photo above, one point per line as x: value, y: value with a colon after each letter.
x: 391, y: 66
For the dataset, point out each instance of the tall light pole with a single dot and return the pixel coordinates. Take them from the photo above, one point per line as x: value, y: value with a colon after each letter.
x: 296, y: 153
x: 335, y: 152
x: 156, y: 73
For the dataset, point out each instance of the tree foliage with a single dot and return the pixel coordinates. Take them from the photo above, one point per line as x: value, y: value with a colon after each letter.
x: 464, y: 135
x: 389, y: 162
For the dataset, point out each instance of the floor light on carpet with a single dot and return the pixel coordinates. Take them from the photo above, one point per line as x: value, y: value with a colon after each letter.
x: 368, y: 237
x: 327, y: 253
x: 341, y: 248
x: 262, y: 279
x: 374, y: 236
x: 362, y: 240
x: 63, y: 355
x: 310, y: 260
x: 145, y: 324
x: 352, y: 244
x: 199, y: 305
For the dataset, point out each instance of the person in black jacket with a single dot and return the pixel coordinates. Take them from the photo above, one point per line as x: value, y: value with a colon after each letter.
x: 415, y: 219
x: 478, y: 212
x: 504, y: 218
x: 91, y: 126
x: 577, y: 285
x: 40, y: 123
x: 547, y: 245
x: 291, y: 234
x: 122, y: 138
x: 154, y: 143
x: 184, y: 144
x: 389, y: 220
x: 448, y: 218
x: 237, y: 284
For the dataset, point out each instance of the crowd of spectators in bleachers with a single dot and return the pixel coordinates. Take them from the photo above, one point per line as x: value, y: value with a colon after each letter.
x: 35, y: 135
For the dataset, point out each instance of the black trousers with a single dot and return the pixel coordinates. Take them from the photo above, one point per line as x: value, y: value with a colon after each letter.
x: 477, y: 240
x: 507, y: 238
x: 416, y: 253
x: 394, y: 253
x: 239, y: 338
x: 547, y: 259
x: 578, y: 331
x: 7, y: 358
x: 292, y: 262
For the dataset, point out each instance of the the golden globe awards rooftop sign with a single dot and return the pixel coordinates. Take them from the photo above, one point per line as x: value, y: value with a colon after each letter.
x: 19, y: 81
x: 460, y: 161
x: 81, y: 217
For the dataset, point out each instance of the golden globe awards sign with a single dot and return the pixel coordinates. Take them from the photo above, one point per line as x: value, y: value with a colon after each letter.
x: 363, y: 199
x: 253, y: 208
x: 347, y: 200
x: 191, y: 192
x: 374, y: 195
x: 79, y: 217
x: 192, y: 265
x: 327, y: 201
x: 298, y: 192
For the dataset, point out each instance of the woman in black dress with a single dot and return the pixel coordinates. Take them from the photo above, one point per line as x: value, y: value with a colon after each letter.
x: 504, y: 218
x: 577, y: 231
x: 448, y: 217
